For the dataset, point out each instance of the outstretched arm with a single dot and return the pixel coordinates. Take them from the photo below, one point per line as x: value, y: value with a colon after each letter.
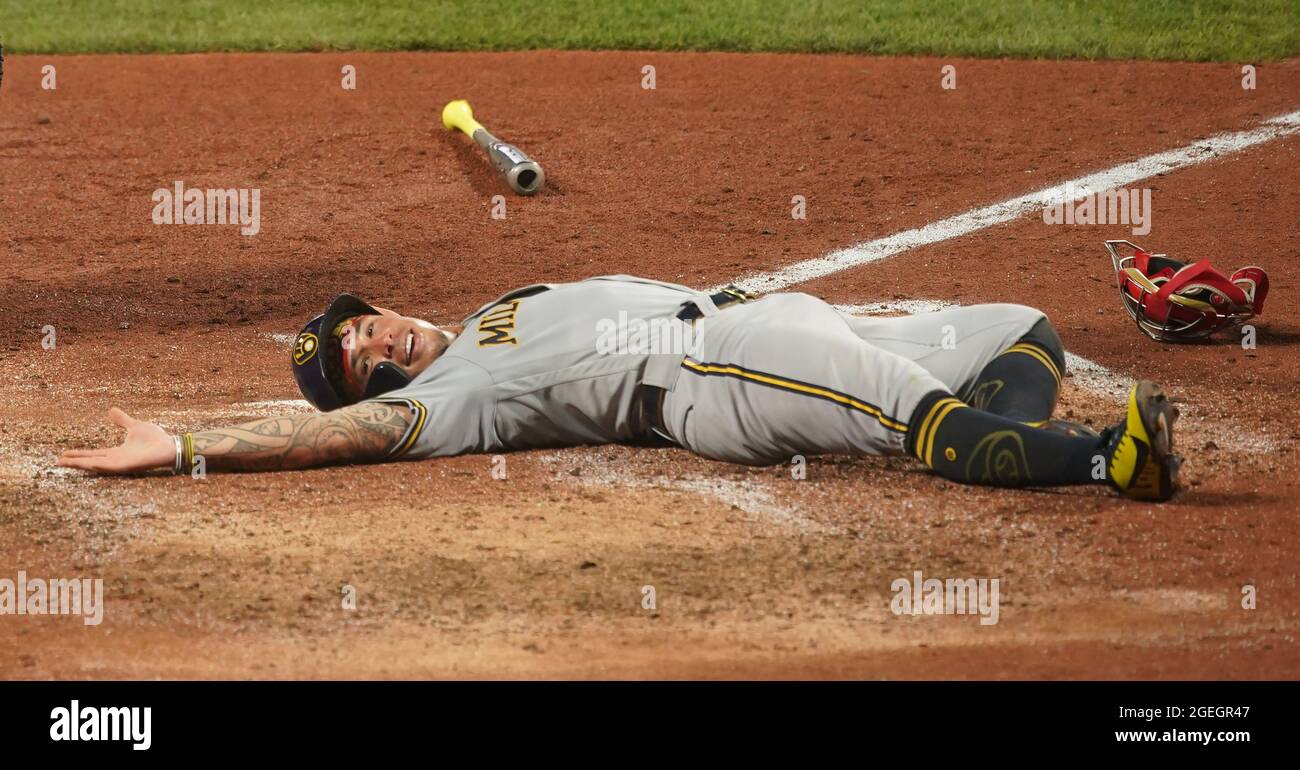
x: 354, y: 434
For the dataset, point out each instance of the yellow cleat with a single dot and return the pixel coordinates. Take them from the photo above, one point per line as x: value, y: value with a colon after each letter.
x: 1141, y: 463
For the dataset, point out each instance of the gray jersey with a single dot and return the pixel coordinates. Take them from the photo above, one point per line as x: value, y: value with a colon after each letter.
x: 559, y: 365
x: 547, y: 365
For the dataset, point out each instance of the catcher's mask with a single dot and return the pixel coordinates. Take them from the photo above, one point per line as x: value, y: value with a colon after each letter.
x: 318, y: 358
x: 1176, y: 302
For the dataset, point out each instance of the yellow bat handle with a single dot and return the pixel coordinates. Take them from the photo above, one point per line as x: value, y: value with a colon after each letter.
x: 458, y: 115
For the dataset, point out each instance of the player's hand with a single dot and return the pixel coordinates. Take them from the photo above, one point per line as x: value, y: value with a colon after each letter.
x: 145, y: 447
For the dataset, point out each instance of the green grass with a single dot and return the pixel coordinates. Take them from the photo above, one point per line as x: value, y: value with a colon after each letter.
x: 1223, y: 30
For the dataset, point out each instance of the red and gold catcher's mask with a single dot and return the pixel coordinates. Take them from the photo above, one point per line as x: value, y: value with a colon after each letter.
x: 1172, y: 301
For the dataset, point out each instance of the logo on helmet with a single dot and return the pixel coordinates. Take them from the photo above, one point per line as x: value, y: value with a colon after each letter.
x: 304, y: 348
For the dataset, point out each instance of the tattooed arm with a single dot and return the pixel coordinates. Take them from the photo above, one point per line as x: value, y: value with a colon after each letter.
x: 360, y: 433
x: 354, y: 434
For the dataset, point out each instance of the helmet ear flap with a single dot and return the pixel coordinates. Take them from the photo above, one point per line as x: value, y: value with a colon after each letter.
x: 386, y: 377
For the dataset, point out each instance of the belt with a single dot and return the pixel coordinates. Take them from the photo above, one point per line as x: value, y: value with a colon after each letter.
x: 651, y: 397
x: 730, y: 295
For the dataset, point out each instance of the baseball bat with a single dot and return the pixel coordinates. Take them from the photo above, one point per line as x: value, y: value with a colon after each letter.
x: 521, y: 172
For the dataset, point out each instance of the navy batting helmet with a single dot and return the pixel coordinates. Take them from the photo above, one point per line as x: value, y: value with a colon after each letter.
x: 318, y: 358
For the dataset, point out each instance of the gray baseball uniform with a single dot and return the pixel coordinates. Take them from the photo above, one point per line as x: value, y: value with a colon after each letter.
x: 560, y: 364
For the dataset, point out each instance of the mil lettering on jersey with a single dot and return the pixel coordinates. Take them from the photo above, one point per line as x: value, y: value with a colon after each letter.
x: 498, y: 325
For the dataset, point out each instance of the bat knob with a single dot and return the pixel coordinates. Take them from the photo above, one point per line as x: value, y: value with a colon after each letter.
x: 526, y: 178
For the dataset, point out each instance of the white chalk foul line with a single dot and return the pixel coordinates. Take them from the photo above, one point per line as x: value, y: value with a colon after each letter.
x: 998, y: 213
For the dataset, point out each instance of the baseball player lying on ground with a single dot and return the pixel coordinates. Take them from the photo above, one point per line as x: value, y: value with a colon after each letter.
x: 969, y: 391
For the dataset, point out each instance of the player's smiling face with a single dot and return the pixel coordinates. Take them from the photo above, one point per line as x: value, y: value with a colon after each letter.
x: 370, y: 340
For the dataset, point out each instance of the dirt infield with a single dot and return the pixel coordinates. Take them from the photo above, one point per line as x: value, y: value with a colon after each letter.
x: 756, y: 574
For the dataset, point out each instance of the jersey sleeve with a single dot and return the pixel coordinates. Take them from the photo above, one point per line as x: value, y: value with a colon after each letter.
x: 451, y: 413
